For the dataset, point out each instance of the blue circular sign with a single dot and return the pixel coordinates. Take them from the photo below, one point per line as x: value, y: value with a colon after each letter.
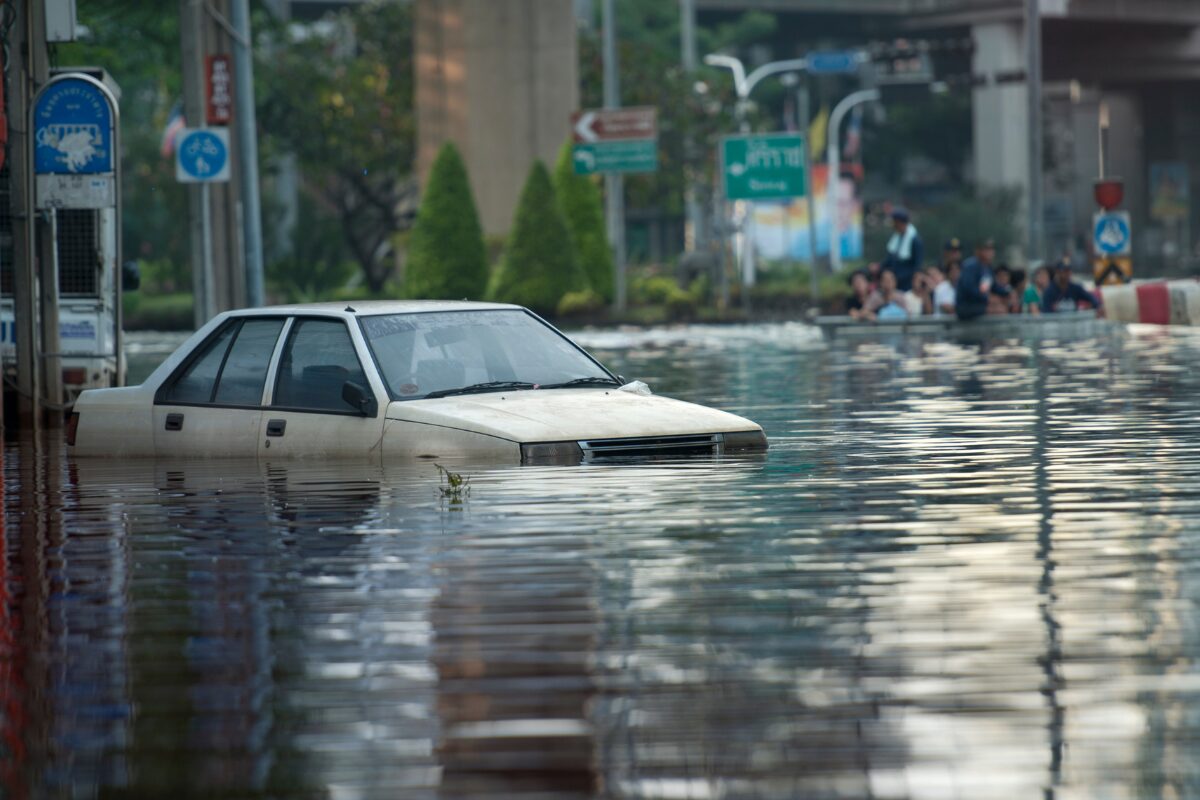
x: 73, y: 128
x: 203, y: 155
x: 1111, y: 234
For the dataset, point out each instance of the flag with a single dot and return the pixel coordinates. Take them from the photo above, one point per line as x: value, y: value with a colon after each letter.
x: 816, y: 136
x: 853, y: 148
x: 175, y: 124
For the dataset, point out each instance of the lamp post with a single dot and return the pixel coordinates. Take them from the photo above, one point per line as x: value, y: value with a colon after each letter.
x: 743, y: 84
x: 833, y: 158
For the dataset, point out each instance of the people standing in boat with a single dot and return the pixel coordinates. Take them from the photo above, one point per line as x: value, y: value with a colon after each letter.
x: 893, y: 307
x: 975, y: 282
x: 1063, y: 294
x: 904, y: 249
x: 951, y: 254
x: 1000, y: 296
x: 863, y: 300
x: 919, y: 299
x: 1018, y: 291
x: 942, y: 302
x: 1031, y: 301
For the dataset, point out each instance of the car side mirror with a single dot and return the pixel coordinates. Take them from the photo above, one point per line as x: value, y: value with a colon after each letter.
x: 358, y: 398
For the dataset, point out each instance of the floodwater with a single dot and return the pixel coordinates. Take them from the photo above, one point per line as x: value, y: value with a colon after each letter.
x: 962, y: 571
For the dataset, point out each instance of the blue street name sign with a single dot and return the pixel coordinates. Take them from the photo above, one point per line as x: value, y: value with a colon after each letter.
x: 832, y: 62
x: 202, y: 156
x: 73, y: 128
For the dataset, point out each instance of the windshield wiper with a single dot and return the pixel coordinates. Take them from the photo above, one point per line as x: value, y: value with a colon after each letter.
x: 488, y: 386
x: 597, y: 381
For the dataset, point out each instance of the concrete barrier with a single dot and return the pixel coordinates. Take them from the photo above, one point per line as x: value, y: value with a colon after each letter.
x: 1154, y: 302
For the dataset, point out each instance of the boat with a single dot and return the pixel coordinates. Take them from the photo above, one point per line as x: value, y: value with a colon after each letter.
x: 1073, y: 323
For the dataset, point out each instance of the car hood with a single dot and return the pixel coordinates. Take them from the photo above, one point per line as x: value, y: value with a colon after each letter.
x: 548, y: 415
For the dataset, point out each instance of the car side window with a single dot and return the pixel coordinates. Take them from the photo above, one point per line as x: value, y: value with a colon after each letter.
x: 245, y: 372
x: 232, y: 367
x: 317, y: 361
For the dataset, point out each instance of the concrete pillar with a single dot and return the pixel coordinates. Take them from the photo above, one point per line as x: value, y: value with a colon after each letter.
x: 1000, y: 109
x: 500, y: 79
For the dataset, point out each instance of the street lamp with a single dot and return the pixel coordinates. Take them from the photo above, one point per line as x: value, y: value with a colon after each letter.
x: 833, y: 159
x: 743, y: 84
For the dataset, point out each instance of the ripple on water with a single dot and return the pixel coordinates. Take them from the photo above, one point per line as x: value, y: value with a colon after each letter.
x: 962, y: 570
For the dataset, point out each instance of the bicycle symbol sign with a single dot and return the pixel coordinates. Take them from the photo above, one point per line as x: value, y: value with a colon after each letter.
x: 203, y: 156
x: 1111, y: 233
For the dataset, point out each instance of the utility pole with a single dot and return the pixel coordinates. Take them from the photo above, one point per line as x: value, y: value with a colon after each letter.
x: 614, y: 183
x: 804, y: 111
x: 27, y: 69
x: 192, y: 24
x: 1033, y: 83
x: 694, y: 236
x: 247, y: 139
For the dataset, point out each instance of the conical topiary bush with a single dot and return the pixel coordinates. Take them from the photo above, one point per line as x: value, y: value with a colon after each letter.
x: 579, y: 198
x: 539, y: 264
x: 446, y: 255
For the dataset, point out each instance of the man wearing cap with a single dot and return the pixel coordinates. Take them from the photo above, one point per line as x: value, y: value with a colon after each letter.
x: 975, y: 282
x: 904, y: 250
x: 1063, y: 294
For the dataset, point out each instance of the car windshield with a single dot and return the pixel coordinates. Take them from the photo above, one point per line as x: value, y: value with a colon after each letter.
x: 454, y: 352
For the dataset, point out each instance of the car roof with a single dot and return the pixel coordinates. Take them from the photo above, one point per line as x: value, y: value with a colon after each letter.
x: 353, y: 308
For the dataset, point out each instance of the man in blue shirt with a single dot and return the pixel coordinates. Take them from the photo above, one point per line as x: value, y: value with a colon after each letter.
x: 975, y: 282
x: 1063, y: 294
x: 904, y: 250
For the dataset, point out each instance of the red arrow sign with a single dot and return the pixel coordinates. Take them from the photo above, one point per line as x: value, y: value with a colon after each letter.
x: 615, y: 124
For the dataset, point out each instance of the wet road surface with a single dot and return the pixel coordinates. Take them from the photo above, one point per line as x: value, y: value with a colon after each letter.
x: 962, y: 571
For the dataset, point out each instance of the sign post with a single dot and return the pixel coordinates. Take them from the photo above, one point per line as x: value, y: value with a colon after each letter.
x: 1112, y: 244
x: 770, y: 166
x: 202, y: 157
x: 615, y: 140
x: 76, y: 146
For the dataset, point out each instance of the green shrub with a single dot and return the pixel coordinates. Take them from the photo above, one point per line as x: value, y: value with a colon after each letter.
x: 539, y: 265
x: 446, y: 255
x: 574, y: 304
x: 579, y: 198
x: 157, y: 312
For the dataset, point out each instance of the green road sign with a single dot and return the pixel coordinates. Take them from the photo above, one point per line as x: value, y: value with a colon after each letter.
x: 628, y: 155
x: 769, y: 166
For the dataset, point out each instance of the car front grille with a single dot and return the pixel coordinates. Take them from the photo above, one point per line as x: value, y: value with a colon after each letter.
x: 652, y: 446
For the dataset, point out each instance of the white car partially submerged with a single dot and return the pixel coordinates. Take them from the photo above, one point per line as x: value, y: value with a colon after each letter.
x: 392, y: 380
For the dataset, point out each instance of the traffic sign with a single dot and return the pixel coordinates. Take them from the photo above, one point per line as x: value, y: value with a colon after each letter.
x: 615, y: 124
x: 764, y: 167
x: 202, y: 156
x: 615, y: 140
x: 1112, y: 270
x: 832, y: 62
x: 634, y: 155
x: 1111, y: 233
x: 73, y: 123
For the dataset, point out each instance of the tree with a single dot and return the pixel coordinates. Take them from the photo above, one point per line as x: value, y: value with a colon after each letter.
x: 447, y: 259
x: 340, y: 98
x: 139, y: 46
x: 539, y: 264
x: 579, y: 198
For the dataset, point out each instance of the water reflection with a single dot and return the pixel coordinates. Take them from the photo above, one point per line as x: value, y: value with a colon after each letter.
x: 964, y: 569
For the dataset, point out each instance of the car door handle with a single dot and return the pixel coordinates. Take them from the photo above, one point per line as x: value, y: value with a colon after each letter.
x: 275, y: 427
x: 174, y: 422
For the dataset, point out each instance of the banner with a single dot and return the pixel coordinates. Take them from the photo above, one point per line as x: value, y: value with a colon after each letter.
x: 781, y: 230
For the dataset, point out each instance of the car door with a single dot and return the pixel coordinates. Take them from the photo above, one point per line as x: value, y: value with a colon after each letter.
x: 307, y: 416
x: 212, y: 405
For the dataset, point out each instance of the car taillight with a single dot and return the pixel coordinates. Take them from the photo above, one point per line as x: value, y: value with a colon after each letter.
x: 72, y: 427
